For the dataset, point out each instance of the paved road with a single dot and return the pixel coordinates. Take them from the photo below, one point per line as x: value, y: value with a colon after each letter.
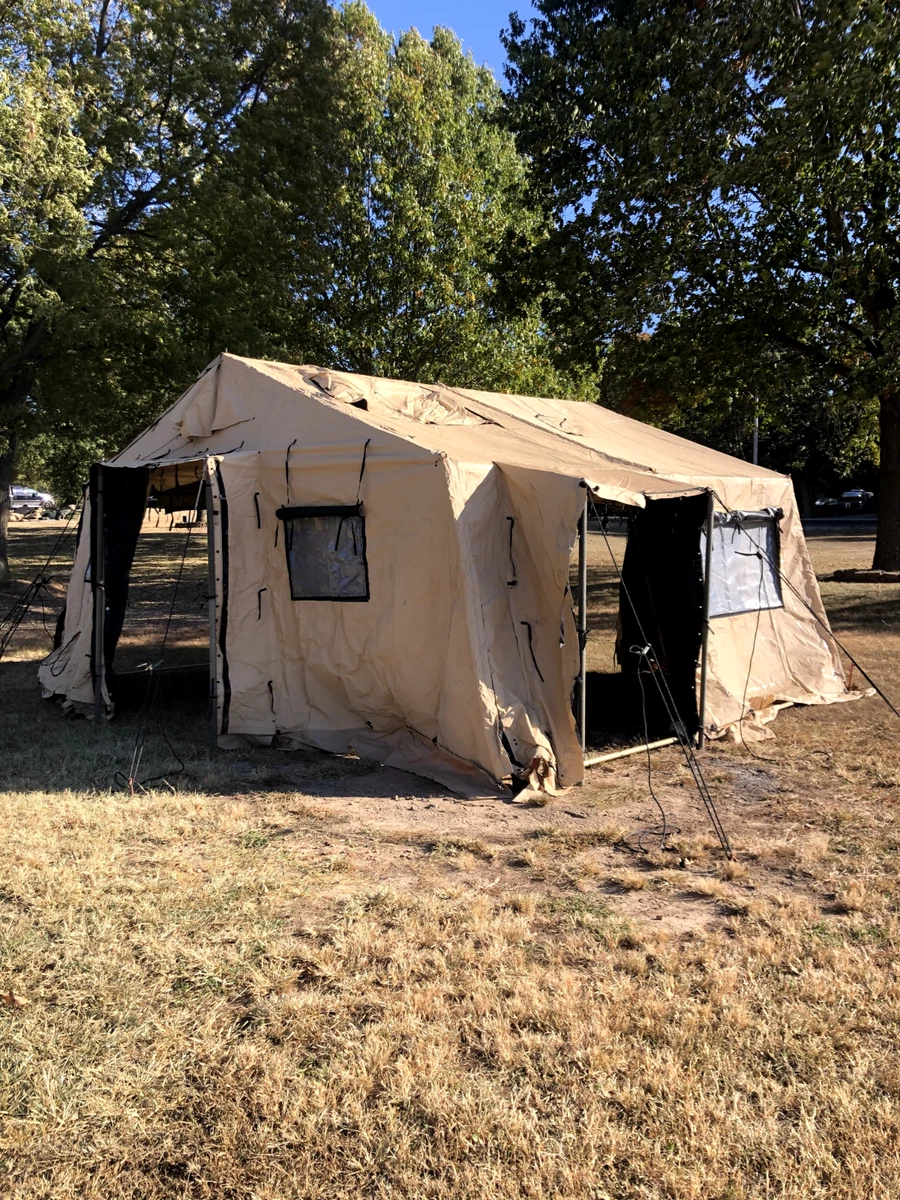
x: 865, y: 522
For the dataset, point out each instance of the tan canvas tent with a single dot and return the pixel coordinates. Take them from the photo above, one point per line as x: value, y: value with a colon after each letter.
x: 390, y: 568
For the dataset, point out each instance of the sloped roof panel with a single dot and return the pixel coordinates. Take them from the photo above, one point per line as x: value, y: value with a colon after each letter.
x: 248, y: 404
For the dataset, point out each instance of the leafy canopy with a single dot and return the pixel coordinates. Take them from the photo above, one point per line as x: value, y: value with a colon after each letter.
x: 281, y: 179
x: 724, y: 177
x: 386, y: 267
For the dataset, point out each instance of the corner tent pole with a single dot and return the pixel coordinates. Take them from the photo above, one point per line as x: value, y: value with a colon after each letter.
x: 211, y: 592
x: 582, y: 624
x: 98, y: 578
x: 704, y: 644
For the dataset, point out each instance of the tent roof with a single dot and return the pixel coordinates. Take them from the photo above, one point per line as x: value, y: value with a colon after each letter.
x: 241, y: 404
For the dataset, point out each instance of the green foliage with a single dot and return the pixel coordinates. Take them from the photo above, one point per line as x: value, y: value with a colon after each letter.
x: 279, y: 179
x: 806, y: 426
x: 724, y: 178
x: 368, y: 242
x: 59, y: 462
x: 113, y: 117
x: 435, y: 185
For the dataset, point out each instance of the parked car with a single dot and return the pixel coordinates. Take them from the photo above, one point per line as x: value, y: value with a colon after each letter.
x: 828, y: 503
x: 855, y: 499
x: 26, y: 497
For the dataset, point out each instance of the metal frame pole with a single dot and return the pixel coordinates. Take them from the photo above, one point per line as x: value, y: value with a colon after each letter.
x: 704, y: 644
x: 213, y: 656
x: 98, y: 579
x: 641, y: 749
x: 582, y: 624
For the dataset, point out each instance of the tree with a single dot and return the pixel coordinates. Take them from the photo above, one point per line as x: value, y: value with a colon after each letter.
x: 272, y: 177
x: 808, y: 429
x: 435, y: 187
x: 111, y: 116
x: 724, y: 176
x: 393, y: 273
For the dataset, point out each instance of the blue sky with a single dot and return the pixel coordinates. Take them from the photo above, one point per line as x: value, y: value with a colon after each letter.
x: 476, y: 22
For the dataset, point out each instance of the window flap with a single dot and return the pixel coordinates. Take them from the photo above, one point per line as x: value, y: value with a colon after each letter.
x: 325, y: 547
x: 319, y: 510
x: 745, y: 574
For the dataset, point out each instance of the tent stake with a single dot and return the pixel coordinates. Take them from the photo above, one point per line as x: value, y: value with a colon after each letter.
x: 98, y: 580
x: 704, y: 644
x: 644, y: 746
x: 582, y: 624
x: 213, y: 659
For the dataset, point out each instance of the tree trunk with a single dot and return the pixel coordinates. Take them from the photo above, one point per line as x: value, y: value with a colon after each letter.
x: 7, y: 463
x: 887, y: 545
x: 803, y: 492
x: 12, y: 412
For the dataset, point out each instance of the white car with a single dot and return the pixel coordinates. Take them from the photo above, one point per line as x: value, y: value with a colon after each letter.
x: 25, y: 497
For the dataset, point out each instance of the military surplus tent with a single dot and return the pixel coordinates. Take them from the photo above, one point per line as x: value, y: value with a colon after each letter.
x: 390, y: 566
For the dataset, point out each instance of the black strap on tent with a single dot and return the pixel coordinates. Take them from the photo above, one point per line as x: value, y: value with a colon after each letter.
x: 362, y: 469
x: 287, y: 474
x: 527, y: 625
x: 35, y: 591
x: 512, y: 562
x: 648, y: 654
x: 256, y: 503
x: 349, y: 512
x: 259, y: 603
x: 777, y: 569
x: 59, y: 665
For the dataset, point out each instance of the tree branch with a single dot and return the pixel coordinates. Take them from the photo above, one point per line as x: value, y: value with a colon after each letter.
x: 36, y: 336
x: 119, y: 223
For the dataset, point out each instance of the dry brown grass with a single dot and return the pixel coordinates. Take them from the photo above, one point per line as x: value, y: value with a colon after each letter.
x: 251, y: 988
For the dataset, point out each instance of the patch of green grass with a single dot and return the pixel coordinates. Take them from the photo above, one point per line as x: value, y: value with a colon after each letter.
x: 255, y: 839
x: 576, y: 906
x: 839, y: 933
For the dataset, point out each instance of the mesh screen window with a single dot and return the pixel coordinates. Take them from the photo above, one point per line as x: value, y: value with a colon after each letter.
x: 326, y: 552
x: 745, y: 569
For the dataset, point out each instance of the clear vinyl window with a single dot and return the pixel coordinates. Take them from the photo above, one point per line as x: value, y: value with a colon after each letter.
x: 745, y: 569
x: 326, y: 552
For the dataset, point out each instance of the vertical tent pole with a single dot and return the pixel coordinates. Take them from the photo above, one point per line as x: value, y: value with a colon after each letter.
x: 98, y: 578
x: 582, y: 624
x: 213, y: 658
x: 704, y: 645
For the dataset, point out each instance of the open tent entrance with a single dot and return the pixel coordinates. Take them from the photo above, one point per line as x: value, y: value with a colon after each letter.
x: 151, y: 596
x: 643, y: 624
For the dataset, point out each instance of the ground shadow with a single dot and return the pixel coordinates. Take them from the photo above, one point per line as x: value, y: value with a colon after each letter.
x: 44, y: 750
x: 878, y: 607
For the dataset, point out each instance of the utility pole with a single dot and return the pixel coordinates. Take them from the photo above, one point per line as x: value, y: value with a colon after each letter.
x: 756, y: 431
